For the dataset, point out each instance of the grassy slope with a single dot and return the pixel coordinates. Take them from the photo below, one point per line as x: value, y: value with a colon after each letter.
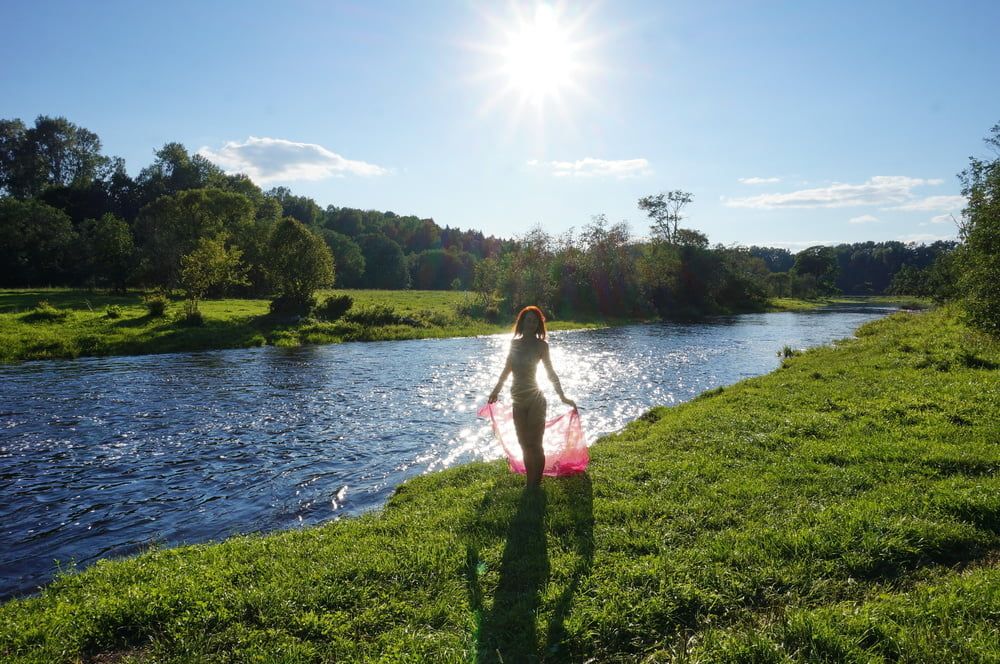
x: 232, y: 323
x: 844, y: 508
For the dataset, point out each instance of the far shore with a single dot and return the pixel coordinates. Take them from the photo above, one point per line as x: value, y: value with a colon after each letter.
x: 81, y: 323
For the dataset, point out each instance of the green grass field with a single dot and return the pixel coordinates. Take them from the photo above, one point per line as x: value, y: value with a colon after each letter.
x: 844, y: 508
x: 81, y: 325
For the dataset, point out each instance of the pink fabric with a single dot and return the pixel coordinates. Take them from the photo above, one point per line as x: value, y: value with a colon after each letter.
x: 563, y: 442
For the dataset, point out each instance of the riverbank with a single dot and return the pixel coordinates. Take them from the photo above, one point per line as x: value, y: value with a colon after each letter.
x: 797, y: 304
x: 83, y: 323
x: 845, y: 507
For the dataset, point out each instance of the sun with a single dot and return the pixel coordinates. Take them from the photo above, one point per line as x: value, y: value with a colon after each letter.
x: 540, y: 59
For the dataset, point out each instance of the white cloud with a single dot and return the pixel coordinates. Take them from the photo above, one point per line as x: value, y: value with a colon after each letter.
x: 933, y: 204
x: 797, y: 246
x: 591, y: 167
x: 942, y: 218
x: 863, y: 219
x: 267, y: 160
x: 924, y: 238
x: 756, y: 180
x: 880, y: 190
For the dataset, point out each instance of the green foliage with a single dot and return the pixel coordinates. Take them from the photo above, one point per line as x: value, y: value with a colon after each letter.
x: 211, y: 265
x: 438, y: 269
x: 374, y: 315
x: 113, y: 312
x: 302, y: 208
x: 156, y: 305
x: 385, y: 263
x: 484, y: 306
x: 35, y: 240
x: 110, y: 250
x: 664, y: 210
x: 53, y: 153
x: 191, y: 315
x: 979, y: 259
x: 347, y: 257
x: 44, y: 313
x: 300, y: 264
x: 175, y: 170
x: 334, y: 307
x: 849, y: 517
x: 820, y: 263
x: 171, y: 227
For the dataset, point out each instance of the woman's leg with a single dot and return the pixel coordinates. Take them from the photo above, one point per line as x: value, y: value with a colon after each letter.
x: 529, y: 421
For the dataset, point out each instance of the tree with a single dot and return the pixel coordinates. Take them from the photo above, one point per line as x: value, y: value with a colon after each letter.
x: 110, y: 250
x: 979, y: 257
x: 174, y: 171
x: 438, y: 269
x: 302, y: 208
x: 35, y: 239
x: 385, y: 263
x: 819, y: 262
x: 347, y: 257
x: 171, y: 226
x: 665, y: 211
x: 777, y: 260
x: 210, y: 265
x: 301, y: 263
x: 688, y: 237
x: 608, y: 266
x: 54, y: 152
x: 526, y: 271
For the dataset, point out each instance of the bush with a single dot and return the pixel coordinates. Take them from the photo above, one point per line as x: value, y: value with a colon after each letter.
x: 292, y: 305
x: 45, y: 313
x: 374, y: 315
x: 191, y: 316
x: 483, y: 307
x: 156, y: 305
x: 334, y: 307
x: 113, y: 311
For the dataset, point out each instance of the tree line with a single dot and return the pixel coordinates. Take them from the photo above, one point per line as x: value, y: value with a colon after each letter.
x: 604, y: 270
x: 72, y: 216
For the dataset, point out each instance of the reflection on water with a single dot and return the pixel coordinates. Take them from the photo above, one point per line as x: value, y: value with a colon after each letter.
x: 105, y: 456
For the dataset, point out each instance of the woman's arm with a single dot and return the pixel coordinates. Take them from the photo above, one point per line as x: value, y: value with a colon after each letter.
x: 495, y: 394
x: 553, y: 377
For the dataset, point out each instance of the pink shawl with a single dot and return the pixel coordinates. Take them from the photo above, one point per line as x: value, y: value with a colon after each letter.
x: 563, y: 442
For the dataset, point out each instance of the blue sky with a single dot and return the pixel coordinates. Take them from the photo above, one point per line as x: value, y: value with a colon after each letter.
x: 792, y: 123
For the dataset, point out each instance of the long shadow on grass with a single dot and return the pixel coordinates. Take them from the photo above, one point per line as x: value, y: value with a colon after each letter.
x: 508, y: 630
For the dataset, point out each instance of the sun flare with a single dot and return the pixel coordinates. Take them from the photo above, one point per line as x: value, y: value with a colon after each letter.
x: 539, y: 60
x: 539, y: 57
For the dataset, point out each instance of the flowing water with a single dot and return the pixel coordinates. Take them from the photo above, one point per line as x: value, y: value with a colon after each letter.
x: 107, y: 456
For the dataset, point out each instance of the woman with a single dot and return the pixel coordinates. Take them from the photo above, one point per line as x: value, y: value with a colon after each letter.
x: 529, y: 346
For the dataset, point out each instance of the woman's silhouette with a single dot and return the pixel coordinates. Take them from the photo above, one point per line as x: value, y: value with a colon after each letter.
x: 528, y: 347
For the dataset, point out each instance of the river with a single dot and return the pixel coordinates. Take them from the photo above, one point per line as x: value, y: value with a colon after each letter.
x: 106, y: 456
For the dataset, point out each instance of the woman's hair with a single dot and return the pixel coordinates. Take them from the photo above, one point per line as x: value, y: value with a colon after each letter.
x: 519, y: 323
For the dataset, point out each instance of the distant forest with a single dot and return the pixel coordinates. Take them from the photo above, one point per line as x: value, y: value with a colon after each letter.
x: 72, y: 216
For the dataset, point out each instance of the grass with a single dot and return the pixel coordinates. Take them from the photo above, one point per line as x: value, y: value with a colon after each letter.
x: 844, y: 508
x: 66, y: 323
x: 40, y: 324
x: 797, y: 304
